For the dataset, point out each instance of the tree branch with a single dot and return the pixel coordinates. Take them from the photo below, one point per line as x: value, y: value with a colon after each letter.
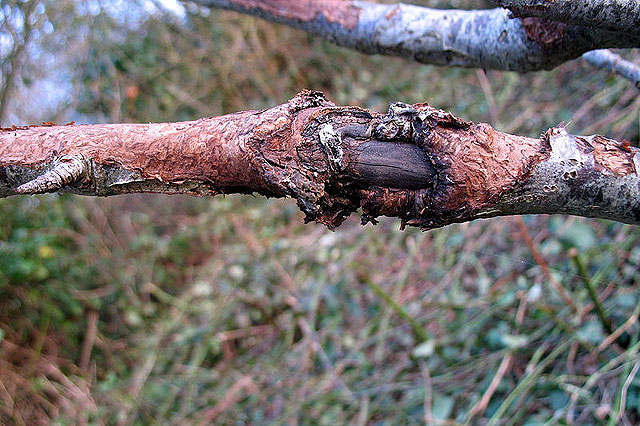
x: 487, y: 39
x: 613, y: 15
x: 607, y: 60
x: 415, y: 162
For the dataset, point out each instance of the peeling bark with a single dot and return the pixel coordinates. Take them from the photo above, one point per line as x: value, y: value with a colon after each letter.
x: 421, y: 164
x: 613, y: 15
x: 488, y: 39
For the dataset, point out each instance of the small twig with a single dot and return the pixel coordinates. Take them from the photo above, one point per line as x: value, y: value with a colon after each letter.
x: 363, y: 414
x: 419, y: 333
x: 607, y: 60
x: 618, y: 332
x: 481, y: 405
x: 535, y: 369
x: 66, y: 170
x: 582, y: 270
x: 629, y: 354
x: 524, y: 232
x: 485, y: 85
x: 428, y: 395
x: 231, y: 397
x: 317, y: 349
x: 89, y: 339
x: 625, y: 388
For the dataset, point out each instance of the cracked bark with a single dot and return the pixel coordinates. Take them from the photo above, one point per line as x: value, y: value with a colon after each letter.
x: 488, y: 39
x: 421, y: 164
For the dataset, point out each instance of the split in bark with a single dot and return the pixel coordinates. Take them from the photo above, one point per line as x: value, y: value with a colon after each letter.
x: 423, y: 165
x: 488, y: 39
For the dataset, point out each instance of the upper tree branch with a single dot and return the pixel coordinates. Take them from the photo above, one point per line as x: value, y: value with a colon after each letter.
x: 614, y: 15
x: 609, y: 61
x: 415, y: 162
x: 477, y: 38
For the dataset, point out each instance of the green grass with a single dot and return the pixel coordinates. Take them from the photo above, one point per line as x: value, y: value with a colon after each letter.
x: 231, y: 307
x: 231, y: 310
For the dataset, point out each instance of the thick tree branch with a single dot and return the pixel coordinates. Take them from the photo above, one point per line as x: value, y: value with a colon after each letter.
x: 477, y: 38
x: 613, y: 15
x: 415, y: 162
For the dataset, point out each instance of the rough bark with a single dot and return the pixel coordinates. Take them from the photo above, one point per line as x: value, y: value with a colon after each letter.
x: 476, y: 38
x: 423, y: 165
x: 613, y: 15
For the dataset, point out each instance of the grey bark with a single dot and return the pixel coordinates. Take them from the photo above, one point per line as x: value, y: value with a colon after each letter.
x: 571, y: 182
x: 488, y: 39
x: 614, y: 15
x: 609, y: 61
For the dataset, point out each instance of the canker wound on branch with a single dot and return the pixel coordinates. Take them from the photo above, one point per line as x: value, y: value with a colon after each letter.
x: 415, y: 162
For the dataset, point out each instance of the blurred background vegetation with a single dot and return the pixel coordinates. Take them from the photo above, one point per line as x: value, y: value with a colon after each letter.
x: 152, y: 309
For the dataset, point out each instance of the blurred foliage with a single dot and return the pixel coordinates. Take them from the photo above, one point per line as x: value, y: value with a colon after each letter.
x: 153, y: 309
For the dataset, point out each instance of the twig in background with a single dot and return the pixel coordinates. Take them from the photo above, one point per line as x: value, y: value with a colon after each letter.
x: 89, y: 339
x: 530, y: 379
x: 428, y: 394
x: 582, y: 271
x: 607, y: 60
x: 232, y: 396
x: 616, y: 16
x: 481, y: 406
x: 625, y: 389
x: 524, y: 232
x: 618, y: 332
x: 418, y: 331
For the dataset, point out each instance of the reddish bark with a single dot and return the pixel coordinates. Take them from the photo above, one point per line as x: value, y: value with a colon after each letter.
x: 415, y: 162
x: 342, y: 12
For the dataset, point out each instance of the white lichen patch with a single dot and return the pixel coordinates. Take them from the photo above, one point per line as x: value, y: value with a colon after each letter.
x: 332, y: 145
x: 565, y: 149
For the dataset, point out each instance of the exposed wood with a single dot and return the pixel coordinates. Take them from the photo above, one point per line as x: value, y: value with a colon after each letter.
x: 395, y: 165
x: 421, y: 164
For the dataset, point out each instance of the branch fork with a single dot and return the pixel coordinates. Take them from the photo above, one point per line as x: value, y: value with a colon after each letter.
x: 63, y: 171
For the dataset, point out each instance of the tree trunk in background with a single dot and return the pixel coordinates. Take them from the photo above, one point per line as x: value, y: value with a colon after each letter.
x: 423, y: 165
